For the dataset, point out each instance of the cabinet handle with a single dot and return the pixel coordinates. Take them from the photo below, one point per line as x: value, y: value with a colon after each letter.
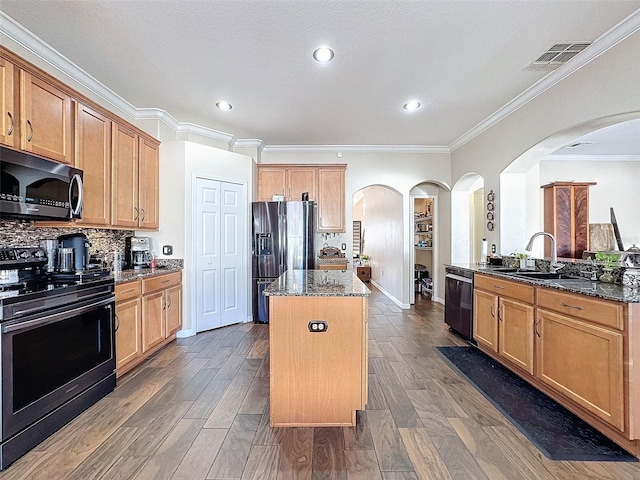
x: 570, y: 306
x: 501, y: 307
x: 491, y: 311
x: 117, y: 322
x: 31, y: 131
x: 169, y: 299
x: 166, y: 281
x: 536, y: 327
x: 144, y: 214
x: 128, y: 291
x: 136, y: 213
x: 12, y: 123
x: 498, y: 287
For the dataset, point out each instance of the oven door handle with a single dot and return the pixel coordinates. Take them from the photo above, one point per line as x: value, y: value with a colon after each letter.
x: 80, y: 298
x: 16, y: 327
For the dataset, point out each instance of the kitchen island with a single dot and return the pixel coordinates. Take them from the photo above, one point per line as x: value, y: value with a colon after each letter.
x: 318, y: 348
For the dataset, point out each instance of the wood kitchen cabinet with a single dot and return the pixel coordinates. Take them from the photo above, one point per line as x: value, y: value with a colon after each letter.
x: 331, y: 199
x: 8, y: 104
x: 124, y: 167
x: 584, y: 350
x: 129, y: 325
x: 317, y: 379
x: 45, y: 119
x: 93, y: 157
x: 566, y: 216
x: 135, y: 172
x: 325, y: 185
x: 581, y: 358
x: 43, y: 116
x: 149, y: 313
x: 503, y: 319
x: 148, y: 184
x: 291, y: 182
x: 161, y: 308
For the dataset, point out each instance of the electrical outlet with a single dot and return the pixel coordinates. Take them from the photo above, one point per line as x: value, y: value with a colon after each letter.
x: 344, y: 246
x: 318, y: 326
x: 493, y: 248
x: 167, y: 250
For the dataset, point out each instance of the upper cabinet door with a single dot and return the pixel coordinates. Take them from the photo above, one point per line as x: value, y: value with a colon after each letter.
x: 124, y: 168
x: 93, y: 156
x: 301, y: 180
x: 45, y: 124
x: 331, y: 199
x: 271, y: 181
x: 8, y: 117
x: 149, y: 178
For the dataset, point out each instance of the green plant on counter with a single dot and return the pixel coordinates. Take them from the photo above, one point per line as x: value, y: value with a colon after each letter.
x: 520, y: 256
x: 365, y: 256
x: 608, y: 260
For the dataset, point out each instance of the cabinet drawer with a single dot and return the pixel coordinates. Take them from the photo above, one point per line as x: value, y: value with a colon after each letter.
x: 125, y: 291
x: 594, y: 310
x: 505, y: 288
x: 161, y: 282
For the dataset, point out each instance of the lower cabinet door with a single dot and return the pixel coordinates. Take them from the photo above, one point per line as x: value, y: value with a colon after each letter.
x: 516, y: 333
x: 129, y: 323
x: 153, y: 322
x: 485, y: 320
x: 173, y: 301
x: 584, y: 362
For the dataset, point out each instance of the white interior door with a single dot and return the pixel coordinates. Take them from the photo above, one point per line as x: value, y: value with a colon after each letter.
x: 219, y: 262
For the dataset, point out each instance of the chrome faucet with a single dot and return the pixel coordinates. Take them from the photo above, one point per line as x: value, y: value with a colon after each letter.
x: 555, y: 266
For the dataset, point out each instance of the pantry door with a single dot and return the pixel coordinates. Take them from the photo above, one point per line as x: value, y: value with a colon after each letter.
x: 218, y: 256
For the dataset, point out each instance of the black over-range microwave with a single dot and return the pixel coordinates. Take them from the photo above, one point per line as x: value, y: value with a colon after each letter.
x: 38, y: 189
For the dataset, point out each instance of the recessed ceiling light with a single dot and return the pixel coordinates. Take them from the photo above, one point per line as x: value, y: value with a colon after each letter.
x: 411, y: 105
x: 323, y: 54
x: 225, y: 106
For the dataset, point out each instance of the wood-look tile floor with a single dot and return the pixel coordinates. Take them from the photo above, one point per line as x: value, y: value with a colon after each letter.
x: 198, y: 409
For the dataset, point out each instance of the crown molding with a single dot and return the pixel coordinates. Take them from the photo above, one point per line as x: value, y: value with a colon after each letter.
x: 612, y: 37
x: 26, y: 39
x: 439, y: 149
x: 558, y: 157
x: 249, y: 143
x: 55, y: 59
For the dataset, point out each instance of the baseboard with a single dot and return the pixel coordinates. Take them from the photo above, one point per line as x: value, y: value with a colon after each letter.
x: 405, y: 306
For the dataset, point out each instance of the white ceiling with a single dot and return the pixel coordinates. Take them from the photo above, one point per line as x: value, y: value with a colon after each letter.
x: 463, y: 60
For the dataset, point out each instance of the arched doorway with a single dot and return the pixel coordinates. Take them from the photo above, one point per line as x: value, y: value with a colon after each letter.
x: 377, y: 209
x: 605, y: 151
x: 467, y: 219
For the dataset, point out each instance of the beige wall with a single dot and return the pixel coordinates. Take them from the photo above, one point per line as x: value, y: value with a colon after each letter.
x: 607, y: 86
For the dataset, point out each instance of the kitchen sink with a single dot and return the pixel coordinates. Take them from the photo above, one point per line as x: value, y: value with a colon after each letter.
x: 545, y: 276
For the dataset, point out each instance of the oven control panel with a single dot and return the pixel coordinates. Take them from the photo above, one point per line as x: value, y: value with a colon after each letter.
x: 12, y: 258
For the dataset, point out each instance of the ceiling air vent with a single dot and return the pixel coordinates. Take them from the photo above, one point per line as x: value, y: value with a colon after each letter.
x: 557, y: 55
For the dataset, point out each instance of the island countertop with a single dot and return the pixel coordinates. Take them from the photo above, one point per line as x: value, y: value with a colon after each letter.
x: 317, y: 283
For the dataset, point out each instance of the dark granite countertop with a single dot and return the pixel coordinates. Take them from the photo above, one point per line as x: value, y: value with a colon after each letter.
x: 131, y: 275
x: 584, y: 286
x: 317, y: 283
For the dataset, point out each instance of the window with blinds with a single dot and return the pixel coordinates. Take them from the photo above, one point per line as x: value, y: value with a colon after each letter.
x: 357, y: 238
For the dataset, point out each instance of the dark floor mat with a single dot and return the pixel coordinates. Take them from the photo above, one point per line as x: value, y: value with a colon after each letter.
x: 557, y: 432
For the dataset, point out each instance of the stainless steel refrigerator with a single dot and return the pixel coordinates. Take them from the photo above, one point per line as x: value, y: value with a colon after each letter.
x: 282, y: 240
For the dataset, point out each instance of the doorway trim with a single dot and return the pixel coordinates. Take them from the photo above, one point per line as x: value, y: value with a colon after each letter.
x: 192, y: 245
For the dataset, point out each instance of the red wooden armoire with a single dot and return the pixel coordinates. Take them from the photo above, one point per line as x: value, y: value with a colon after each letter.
x: 566, y: 216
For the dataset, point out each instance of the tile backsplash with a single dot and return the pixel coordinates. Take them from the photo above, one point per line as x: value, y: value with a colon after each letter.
x: 26, y: 233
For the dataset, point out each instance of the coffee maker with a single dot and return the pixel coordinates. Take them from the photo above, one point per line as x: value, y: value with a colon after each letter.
x: 137, y: 252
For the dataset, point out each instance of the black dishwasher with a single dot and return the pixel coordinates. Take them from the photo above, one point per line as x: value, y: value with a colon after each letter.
x: 458, y: 300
